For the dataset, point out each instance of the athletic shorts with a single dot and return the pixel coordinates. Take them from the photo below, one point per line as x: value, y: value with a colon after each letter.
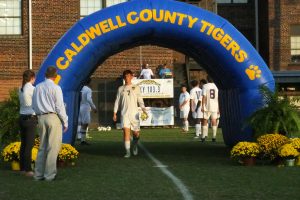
x: 197, y: 115
x: 213, y: 115
x: 184, y: 113
x: 131, y: 122
x: 84, y: 115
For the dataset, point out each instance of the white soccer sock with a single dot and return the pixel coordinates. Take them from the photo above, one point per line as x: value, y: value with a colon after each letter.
x: 204, y: 131
x: 214, y: 128
x: 127, y: 145
x: 186, y: 125
x: 83, y: 136
x: 198, y: 130
x: 78, y: 132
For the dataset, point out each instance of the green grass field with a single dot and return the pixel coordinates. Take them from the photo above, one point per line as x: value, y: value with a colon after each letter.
x: 101, y: 172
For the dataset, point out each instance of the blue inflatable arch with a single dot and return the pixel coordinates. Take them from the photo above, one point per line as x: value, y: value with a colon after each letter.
x: 213, y: 42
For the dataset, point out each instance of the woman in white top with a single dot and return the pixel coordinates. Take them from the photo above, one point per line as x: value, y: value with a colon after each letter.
x: 28, y: 121
x: 146, y: 72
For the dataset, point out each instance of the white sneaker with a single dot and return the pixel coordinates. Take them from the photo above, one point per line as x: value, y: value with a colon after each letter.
x: 135, y: 150
x: 127, y: 155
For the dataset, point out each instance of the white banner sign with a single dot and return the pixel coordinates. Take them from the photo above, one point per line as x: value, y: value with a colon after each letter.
x: 158, y: 116
x: 155, y: 88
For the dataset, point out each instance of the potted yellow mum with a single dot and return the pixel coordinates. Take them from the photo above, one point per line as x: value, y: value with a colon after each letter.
x: 245, y: 152
x: 67, y: 154
x: 296, y: 144
x: 11, y: 153
x: 288, y: 153
x: 270, y: 143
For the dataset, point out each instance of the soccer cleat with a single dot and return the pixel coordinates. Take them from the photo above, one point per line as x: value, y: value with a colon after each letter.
x: 84, y: 143
x: 213, y: 140
x: 127, y: 155
x: 135, y: 150
x: 202, y: 139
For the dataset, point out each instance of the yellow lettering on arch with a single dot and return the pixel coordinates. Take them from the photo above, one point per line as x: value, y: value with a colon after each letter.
x: 146, y: 12
x: 241, y: 56
x: 161, y: 15
x: 60, y: 65
x: 84, y: 39
x: 70, y: 54
x: 93, y: 31
x: 181, y: 17
x: 57, y: 79
x: 218, y: 34
x: 130, y: 18
x: 170, y: 17
x: 205, y: 24
x: 104, y: 26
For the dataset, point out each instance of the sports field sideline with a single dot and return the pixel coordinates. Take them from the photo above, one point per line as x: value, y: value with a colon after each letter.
x: 205, y: 169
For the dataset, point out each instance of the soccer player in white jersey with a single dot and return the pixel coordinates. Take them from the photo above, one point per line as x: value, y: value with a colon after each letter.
x: 196, y: 98
x: 86, y: 105
x: 210, y: 108
x: 184, y: 107
x: 128, y: 98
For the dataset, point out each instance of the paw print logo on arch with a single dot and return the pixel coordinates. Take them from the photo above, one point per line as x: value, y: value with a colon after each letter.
x: 253, y: 72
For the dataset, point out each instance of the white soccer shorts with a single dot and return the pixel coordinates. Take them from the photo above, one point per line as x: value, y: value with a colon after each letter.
x: 131, y: 122
x: 184, y: 113
x: 197, y: 115
x: 213, y: 115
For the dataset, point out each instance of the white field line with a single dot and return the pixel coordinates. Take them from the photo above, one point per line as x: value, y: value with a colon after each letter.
x: 179, y: 184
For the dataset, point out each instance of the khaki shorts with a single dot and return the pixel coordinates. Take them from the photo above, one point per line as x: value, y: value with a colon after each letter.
x: 131, y: 122
x: 207, y: 115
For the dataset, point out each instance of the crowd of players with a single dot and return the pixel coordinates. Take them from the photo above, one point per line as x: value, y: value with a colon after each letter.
x: 203, y: 102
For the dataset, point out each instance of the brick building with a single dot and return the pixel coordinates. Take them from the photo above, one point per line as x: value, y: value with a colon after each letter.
x: 277, y: 23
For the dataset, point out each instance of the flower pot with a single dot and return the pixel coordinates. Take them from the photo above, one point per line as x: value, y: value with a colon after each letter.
x: 298, y: 161
x: 290, y: 162
x: 15, y: 166
x: 249, y: 161
x: 61, y: 164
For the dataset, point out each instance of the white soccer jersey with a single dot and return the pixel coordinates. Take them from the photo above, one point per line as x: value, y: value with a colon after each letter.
x: 86, y: 104
x: 196, y: 95
x: 182, y: 98
x: 210, y: 91
x: 129, y: 96
x: 86, y: 97
x: 146, y: 73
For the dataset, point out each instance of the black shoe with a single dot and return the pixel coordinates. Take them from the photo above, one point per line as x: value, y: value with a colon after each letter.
x: 213, y: 140
x: 84, y: 143
x: 202, y: 139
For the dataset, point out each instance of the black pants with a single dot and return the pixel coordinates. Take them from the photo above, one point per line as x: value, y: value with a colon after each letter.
x: 28, y: 129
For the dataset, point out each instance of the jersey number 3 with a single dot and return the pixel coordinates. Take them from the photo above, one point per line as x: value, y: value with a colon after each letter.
x: 212, y: 94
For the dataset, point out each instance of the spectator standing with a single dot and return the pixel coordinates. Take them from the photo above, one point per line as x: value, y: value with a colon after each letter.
x: 28, y: 121
x: 146, y: 72
x: 165, y: 72
x: 49, y: 106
